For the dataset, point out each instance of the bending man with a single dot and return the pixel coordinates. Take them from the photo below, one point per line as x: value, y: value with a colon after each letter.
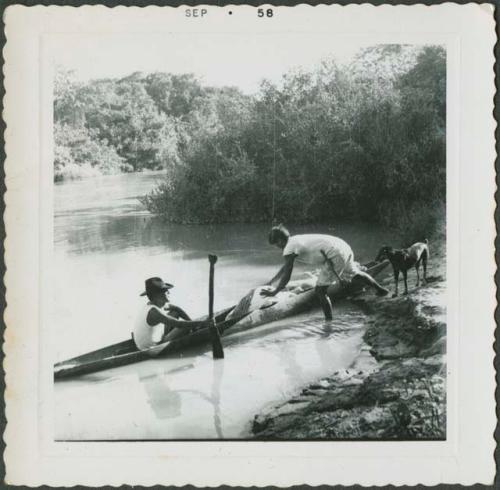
x: 332, y: 254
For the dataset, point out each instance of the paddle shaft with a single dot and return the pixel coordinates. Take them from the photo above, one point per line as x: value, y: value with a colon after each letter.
x: 211, y: 287
x: 217, y: 350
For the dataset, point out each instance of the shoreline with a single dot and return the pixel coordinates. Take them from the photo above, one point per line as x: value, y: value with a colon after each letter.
x: 396, y: 388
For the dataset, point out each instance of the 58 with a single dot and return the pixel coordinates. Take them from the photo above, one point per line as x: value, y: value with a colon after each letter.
x: 265, y: 13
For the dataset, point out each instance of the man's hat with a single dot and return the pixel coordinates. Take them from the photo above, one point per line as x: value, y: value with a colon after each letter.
x: 156, y: 285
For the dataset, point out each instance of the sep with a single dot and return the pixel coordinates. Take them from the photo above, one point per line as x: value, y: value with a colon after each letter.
x: 196, y: 12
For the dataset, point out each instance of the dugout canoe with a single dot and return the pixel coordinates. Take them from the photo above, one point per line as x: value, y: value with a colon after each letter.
x: 253, y: 310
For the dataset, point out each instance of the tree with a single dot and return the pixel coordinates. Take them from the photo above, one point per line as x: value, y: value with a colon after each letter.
x: 363, y: 140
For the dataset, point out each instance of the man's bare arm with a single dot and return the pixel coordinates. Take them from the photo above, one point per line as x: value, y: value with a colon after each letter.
x: 277, y: 276
x: 286, y: 274
x: 177, y: 310
x: 154, y: 317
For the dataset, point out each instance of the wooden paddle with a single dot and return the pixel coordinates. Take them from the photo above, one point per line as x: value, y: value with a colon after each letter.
x: 217, y: 350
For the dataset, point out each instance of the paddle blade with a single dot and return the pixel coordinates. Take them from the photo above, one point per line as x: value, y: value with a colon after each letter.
x: 217, y: 350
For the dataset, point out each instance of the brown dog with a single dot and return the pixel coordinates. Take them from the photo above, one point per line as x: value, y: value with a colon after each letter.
x: 402, y: 260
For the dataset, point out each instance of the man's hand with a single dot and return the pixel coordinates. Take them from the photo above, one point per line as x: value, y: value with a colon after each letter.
x: 268, y: 292
x: 172, y: 309
x: 177, y: 312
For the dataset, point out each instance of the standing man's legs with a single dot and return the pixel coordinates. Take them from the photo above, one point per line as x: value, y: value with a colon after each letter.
x: 324, y: 301
x: 369, y: 281
x: 325, y: 279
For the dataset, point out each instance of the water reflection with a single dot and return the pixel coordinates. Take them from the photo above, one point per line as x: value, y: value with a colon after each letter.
x: 325, y: 353
x: 218, y: 373
x: 287, y: 356
x: 103, y: 215
x: 195, y: 397
x: 166, y: 402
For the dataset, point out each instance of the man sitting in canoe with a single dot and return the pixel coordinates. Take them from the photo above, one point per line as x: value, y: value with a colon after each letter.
x: 334, y: 256
x: 156, y: 323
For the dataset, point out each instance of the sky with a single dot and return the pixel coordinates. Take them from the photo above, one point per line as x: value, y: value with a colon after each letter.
x: 239, y: 60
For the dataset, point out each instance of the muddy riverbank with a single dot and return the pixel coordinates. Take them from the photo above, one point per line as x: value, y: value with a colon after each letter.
x: 396, y: 388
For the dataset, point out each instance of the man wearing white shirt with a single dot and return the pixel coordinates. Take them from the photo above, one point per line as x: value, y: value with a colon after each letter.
x: 332, y: 254
x: 159, y: 321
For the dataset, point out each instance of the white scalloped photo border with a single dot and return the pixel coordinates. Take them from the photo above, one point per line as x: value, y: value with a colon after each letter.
x: 33, y: 458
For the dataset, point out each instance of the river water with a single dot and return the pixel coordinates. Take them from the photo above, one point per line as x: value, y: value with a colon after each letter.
x: 106, y: 245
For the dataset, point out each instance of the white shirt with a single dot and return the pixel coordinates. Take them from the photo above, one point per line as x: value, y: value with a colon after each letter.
x: 146, y: 336
x: 311, y: 249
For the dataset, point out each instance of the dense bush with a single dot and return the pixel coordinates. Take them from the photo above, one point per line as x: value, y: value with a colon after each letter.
x: 365, y: 141
x: 78, y: 155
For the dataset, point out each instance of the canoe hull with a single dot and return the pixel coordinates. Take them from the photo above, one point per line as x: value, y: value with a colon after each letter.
x: 252, y: 311
x: 126, y: 352
x: 298, y: 296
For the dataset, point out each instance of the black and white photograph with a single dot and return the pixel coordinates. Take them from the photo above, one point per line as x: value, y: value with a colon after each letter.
x: 249, y: 245
x: 253, y: 248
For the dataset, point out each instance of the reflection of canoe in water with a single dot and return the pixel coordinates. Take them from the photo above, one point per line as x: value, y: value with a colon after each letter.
x: 253, y: 310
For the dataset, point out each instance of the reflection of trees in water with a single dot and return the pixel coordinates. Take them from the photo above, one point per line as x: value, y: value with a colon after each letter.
x: 112, y: 229
x: 106, y: 229
x: 103, y: 233
x: 236, y: 238
x: 167, y: 403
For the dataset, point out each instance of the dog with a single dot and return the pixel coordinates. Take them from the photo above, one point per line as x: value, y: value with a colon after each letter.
x: 403, y: 260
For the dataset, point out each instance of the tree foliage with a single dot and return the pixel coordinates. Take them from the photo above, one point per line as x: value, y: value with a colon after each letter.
x: 365, y: 140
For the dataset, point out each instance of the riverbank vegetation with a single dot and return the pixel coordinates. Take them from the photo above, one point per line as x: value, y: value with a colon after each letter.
x: 366, y: 140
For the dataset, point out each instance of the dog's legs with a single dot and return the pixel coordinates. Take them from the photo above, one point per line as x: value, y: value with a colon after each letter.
x: 424, y: 263
x: 417, y: 267
x: 396, y: 280
x: 405, y: 275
